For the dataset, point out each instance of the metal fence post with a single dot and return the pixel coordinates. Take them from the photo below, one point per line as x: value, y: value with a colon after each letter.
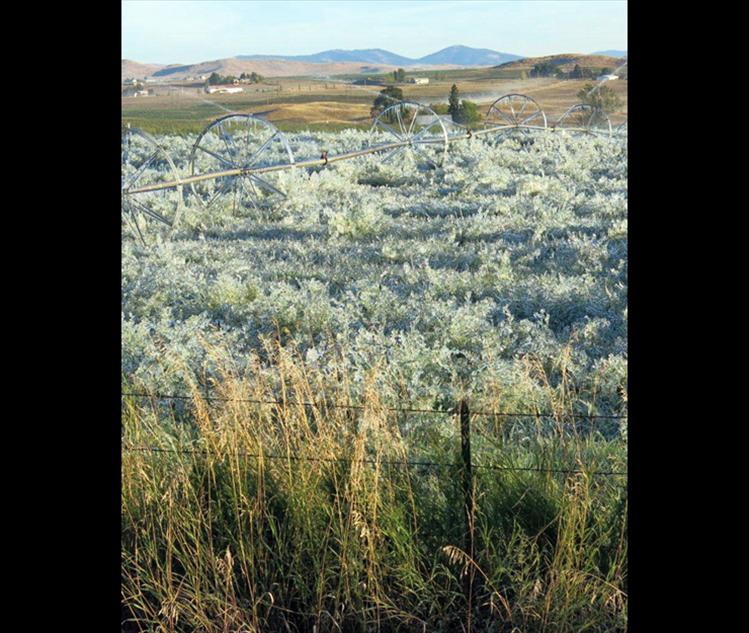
x: 468, y: 506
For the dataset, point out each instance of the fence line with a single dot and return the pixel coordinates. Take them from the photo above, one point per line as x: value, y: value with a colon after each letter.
x: 359, y: 407
x: 430, y: 464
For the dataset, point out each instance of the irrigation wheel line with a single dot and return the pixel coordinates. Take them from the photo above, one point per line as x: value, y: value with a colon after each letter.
x: 515, y: 113
x: 418, y: 129
x: 240, y: 151
x: 586, y: 119
x: 145, y: 162
x: 238, y: 141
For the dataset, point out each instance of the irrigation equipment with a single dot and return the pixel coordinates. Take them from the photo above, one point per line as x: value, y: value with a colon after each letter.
x: 145, y: 163
x: 416, y: 129
x: 241, y: 154
x: 585, y: 118
x: 515, y: 111
x: 238, y: 141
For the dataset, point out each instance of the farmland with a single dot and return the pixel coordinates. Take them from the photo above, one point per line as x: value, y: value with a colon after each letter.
x: 500, y: 277
x: 295, y: 104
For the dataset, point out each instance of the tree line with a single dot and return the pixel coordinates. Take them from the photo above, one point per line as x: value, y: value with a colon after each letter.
x: 460, y: 110
x: 216, y: 79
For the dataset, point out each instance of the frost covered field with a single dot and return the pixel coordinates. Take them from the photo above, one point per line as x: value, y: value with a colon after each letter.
x: 450, y: 280
x: 503, y: 278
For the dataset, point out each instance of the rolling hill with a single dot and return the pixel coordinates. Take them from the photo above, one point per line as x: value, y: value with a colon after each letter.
x: 466, y: 56
x: 336, y: 61
x: 450, y: 56
x: 136, y: 70
x: 268, y: 68
x: 611, y: 53
x: 566, y: 61
x: 368, y: 56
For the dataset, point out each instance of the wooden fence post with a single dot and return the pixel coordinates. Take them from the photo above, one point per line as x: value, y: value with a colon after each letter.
x: 468, y: 506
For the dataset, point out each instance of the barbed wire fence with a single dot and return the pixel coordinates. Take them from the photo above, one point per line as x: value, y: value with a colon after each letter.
x: 461, y: 410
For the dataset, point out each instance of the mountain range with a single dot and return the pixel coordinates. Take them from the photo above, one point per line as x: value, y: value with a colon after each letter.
x: 452, y: 55
x: 336, y: 61
x: 611, y: 53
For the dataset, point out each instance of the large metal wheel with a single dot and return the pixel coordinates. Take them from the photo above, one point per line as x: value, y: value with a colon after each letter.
x: 238, y: 141
x: 418, y: 132
x: 513, y: 111
x: 145, y: 162
x: 586, y: 119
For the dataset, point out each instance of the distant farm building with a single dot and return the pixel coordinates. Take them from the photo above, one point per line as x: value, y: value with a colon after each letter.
x: 418, y: 80
x: 136, y: 91
x: 231, y: 89
x: 607, y: 77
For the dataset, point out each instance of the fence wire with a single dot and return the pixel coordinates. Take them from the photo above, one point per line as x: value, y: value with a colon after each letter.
x: 359, y: 407
x: 408, y: 463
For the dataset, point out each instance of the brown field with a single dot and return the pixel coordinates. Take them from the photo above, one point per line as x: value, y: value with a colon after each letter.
x: 293, y: 102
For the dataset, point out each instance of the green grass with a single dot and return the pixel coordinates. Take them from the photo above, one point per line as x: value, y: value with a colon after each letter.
x: 191, y: 116
x: 458, y: 74
x: 342, y: 539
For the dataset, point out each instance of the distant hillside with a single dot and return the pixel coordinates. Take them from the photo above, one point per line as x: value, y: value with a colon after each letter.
x: 368, y: 56
x: 267, y: 68
x: 565, y: 61
x: 450, y: 56
x: 611, y: 53
x: 136, y: 70
x: 466, y: 56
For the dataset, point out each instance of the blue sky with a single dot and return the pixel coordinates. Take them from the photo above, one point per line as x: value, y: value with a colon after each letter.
x: 189, y: 32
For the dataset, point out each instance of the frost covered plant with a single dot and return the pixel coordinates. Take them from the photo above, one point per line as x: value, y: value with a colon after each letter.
x: 360, y: 223
x: 369, y: 259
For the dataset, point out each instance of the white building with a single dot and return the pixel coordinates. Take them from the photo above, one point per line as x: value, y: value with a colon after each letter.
x: 223, y: 89
x: 419, y: 80
x: 607, y: 77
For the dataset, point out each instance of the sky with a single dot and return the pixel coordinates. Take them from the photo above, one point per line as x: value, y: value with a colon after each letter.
x: 171, y: 32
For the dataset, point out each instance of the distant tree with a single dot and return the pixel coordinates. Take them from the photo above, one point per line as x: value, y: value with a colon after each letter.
x: 599, y: 96
x: 400, y: 75
x: 577, y: 72
x: 467, y: 113
x: 605, y: 71
x: 454, y: 102
x: 543, y: 69
x: 387, y: 97
x: 215, y: 79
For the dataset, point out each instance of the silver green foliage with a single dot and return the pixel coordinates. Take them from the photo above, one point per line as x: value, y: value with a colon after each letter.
x: 447, y: 277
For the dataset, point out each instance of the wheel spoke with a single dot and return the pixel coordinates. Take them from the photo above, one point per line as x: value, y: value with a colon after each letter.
x: 413, y: 122
x: 522, y: 108
x: 400, y: 121
x: 266, y: 185
x: 512, y: 110
x: 530, y: 117
x: 387, y: 128
x: 218, y: 157
x: 251, y: 195
x: 263, y: 147
x: 132, y: 221
x: 394, y: 153
x: 150, y: 213
x: 140, y: 170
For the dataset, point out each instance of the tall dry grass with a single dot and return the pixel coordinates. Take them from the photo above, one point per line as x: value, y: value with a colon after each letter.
x: 247, y: 517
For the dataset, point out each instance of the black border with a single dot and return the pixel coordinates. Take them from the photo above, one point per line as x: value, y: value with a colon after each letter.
x: 76, y: 502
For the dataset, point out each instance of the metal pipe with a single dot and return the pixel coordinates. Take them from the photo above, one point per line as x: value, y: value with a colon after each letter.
x: 248, y: 171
